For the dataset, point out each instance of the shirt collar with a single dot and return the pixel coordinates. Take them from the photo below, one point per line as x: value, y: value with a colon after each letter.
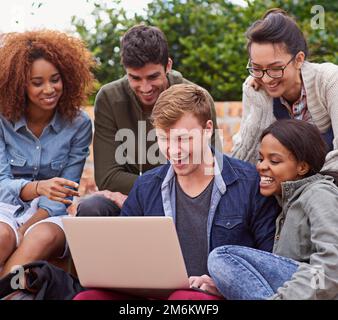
x: 219, y: 181
x: 302, y: 96
x: 55, y: 123
x: 290, y: 187
x: 218, y: 178
x: 20, y: 123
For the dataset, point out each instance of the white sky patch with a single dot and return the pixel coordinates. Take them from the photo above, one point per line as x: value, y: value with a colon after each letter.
x: 20, y: 15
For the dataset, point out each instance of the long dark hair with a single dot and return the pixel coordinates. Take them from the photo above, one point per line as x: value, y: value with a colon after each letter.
x: 277, y: 27
x: 302, y: 139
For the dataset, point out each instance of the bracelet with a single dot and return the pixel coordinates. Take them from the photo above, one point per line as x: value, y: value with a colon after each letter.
x: 36, y: 188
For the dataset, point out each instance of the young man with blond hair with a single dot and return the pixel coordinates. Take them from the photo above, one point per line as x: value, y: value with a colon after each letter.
x: 213, y: 199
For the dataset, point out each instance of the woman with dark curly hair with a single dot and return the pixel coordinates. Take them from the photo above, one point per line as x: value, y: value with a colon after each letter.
x: 45, y: 76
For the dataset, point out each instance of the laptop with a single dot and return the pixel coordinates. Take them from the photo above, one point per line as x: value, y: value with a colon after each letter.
x: 136, y: 255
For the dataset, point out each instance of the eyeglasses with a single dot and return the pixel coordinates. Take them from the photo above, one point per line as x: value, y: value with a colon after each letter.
x: 274, y: 73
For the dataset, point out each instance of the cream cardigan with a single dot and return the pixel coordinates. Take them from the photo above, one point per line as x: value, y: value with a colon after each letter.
x: 321, y: 86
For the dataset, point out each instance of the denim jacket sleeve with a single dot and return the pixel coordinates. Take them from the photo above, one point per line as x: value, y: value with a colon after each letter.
x: 132, y: 206
x: 10, y: 188
x: 263, y: 220
x: 73, y: 169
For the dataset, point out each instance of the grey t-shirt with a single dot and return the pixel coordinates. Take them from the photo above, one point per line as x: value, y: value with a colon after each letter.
x: 191, y: 226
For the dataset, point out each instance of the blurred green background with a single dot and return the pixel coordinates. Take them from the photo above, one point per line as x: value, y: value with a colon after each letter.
x: 206, y: 37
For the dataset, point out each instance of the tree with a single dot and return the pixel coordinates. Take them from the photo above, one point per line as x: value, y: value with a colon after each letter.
x: 207, y: 42
x: 322, y: 40
x: 103, y: 39
x: 206, y: 37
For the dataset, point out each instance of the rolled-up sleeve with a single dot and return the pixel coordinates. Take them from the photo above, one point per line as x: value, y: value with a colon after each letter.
x: 10, y: 187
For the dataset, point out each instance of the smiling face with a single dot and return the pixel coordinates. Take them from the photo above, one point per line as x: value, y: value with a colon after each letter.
x: 276, y: 165
x: 148, y: 82
x: 267, y: 55
x: 44, y: 87
x: 185, y: 144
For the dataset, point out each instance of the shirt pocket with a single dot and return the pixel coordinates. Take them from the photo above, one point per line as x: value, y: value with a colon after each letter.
x: 228, y: 222
x: 227, y: 230
x: 17, y: 163
x: 58, y: 165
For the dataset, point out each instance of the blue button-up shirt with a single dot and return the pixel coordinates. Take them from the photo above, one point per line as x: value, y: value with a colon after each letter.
x: 60, y: 151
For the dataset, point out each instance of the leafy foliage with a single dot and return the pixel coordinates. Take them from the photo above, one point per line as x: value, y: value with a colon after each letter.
x: 206, y: 37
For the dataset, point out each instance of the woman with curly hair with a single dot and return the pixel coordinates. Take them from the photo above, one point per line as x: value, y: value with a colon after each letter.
x: 45, y: 76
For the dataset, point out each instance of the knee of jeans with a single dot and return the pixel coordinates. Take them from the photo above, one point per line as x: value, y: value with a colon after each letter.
x: 90, y: 207
x: 220, y: 251
x: 218, y: 257
x: 214, y: 259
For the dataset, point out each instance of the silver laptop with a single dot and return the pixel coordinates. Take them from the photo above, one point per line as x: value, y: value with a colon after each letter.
x: 126, y: 253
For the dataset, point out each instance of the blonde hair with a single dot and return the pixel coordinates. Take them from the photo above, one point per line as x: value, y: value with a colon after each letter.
x: 179, y: 99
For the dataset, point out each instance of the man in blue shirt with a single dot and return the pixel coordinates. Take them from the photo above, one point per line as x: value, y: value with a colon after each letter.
x: 213, y: 199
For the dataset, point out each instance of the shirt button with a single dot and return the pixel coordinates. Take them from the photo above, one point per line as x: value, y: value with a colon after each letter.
x: 12, y: 160
x: 228, y: 224
x: 37, y: 147
x: 35, y: 168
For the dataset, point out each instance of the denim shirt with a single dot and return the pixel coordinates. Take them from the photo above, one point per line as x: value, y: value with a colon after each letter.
x: 60, y: 151
x: 238, y: 214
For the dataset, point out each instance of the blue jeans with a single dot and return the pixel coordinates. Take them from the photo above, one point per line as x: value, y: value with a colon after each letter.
x: 242, y: 273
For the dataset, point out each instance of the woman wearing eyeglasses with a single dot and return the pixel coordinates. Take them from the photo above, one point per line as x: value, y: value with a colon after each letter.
x: 284, y: 85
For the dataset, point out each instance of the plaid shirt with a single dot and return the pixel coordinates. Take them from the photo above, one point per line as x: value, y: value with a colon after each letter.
x: 298, y: 110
